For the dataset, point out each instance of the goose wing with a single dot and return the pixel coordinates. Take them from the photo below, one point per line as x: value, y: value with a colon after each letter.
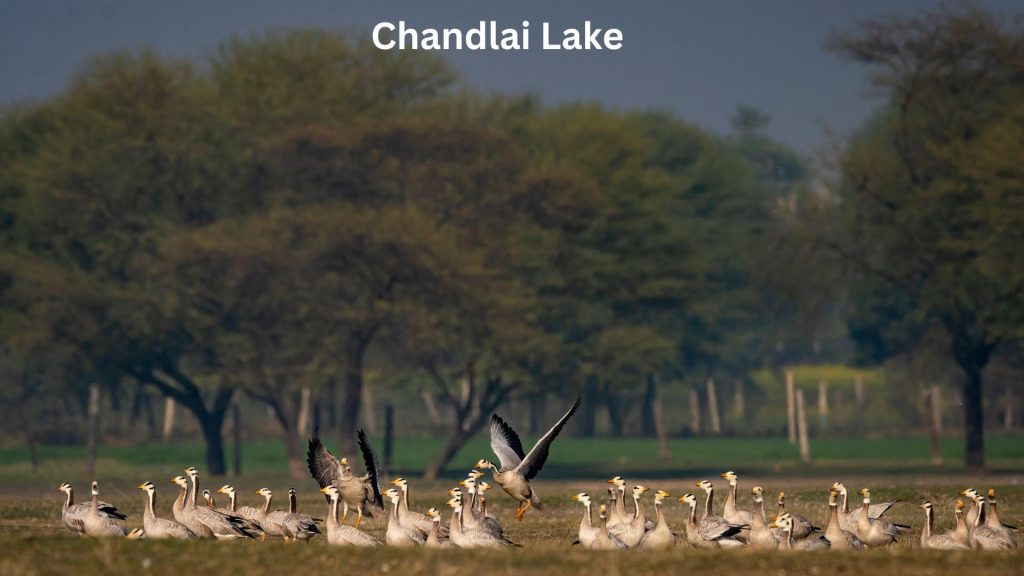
x: 506, y: 443
x: 372, y: 468
x: 324, y: 466
x: 535, y: 460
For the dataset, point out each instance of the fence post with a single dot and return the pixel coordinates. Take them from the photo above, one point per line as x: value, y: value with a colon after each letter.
x: 94, y: 430
x: 790, y: 408
x: 716, y: 423
x: 805, y: 447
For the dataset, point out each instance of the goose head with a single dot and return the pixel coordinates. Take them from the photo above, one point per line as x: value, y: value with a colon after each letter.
x: 638, y: 491
x: 758, y: 493
x: 180, y: 481
x: 393, y: 495
x: 582, y: 498
x: 65, y: 488
x: 400, y: 482
x: 192, y: 473
x: 839, y: 487
x: 265, y: 492
x: 95, y: 488
x: 226, y: 489
x: 483, y: 463
x: 660, y: 495
x: 619, y: 483
x: 434, y: 515
x: 147, y: 486
x: 730, y: 476
x: 689, y: 499
x: 208, y: 498
x: 454, y: 503
x: 705, y: 486
x: 926, y: 506
x: 866, y: 493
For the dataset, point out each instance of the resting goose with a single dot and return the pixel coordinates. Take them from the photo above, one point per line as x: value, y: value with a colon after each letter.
x: 848, y: 518
x: 339, y: 534
x: 96, y: 524
x: 730, y: 512
x: 932, y: 541
x: 839, y: 539
x: 160, y: 528
x: 784, y: 522
x: 661, y: 536
x: 802, y: 527
x: 517, y: 468
x: 434, y: 539
x: 992, y: 519
x: 398, y: 534
x: 588, y: 533
x: 712, y: 531
x: 761, y: 536
x: 71, y: 514
x: 984, y: 537
x: 875, y: 532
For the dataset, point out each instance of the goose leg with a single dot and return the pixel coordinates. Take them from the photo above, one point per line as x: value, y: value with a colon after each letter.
x: 522, y: 510
x: 344, y: 512
x: 359, y: 518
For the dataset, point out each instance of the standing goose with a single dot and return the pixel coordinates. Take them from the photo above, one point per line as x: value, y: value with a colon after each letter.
x: 761, y: 536
x: 661, y: 537
x: 397, y: 534
x: 839, y: 539
x: 875, y: 532
x: 630, y: 533
x: 712, y: 531
x: 96, y: 524
x: 159, y: 528
x: 434, y: 538
x: 606, y: 541
x: 272, y: 521
x: 984, y: 537
x: 517, y: 468
x: 250, y: 514
x: 339, y: 534
x: 730, y: 512
x: 410, y: 518
x: 961, y: 532
x: 992, y: 519
x: 205, y: 522
x: 299, y: 526
x: 471, y: 518
x: 359, y: 492
x: 932, y: 541
x: 971, y: 516
x: 588, y: 533
x: 71, y: 514
x: 802, y: 527
x: 848, y: 518
x: 617, y: 503
x: 467, y: 538
x: 488, y: 521
x: 784, y: 522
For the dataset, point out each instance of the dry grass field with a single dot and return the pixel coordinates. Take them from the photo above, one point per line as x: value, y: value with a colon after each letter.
x: 34, y: 541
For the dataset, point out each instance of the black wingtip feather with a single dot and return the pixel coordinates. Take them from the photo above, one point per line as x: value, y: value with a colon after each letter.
x: 372, y: 467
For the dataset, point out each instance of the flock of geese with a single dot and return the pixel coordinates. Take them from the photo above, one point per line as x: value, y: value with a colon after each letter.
x: 862, y: 527
x: 472, y: 526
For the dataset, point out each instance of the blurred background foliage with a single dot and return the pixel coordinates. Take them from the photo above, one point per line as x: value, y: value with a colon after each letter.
x: 300, y: 230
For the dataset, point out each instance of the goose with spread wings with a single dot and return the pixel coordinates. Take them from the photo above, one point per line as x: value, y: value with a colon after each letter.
x: 517, y: 468
x: 359, y: 492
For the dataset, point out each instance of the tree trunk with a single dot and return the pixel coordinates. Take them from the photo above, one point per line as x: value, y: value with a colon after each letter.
x: 974, y: 424
x: 355, y: 353
x: 801, y: 419
x: 236, y: 428
x: 647, y: 412
x: 658, y: 419
x: 694, y: 411
x: 716, y: 422
x: 211, y: 428
x: 168, y: 428
x: 456, y: 440
x: 935, y: 423
x: 615, y: 416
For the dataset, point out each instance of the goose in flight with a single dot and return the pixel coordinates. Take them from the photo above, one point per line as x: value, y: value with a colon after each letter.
x: 359, y: 492
x: 518, y: 468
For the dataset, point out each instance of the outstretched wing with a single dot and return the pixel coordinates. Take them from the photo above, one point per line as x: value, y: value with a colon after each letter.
x: 535, y: 460
x: 372, y: 467
x: 505, y: 443
x: 325, y: 468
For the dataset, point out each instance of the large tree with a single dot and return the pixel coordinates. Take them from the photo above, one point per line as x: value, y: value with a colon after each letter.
x: 929, y: 199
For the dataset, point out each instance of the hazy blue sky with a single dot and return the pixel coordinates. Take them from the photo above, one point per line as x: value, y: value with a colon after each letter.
x: 696, y: 59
